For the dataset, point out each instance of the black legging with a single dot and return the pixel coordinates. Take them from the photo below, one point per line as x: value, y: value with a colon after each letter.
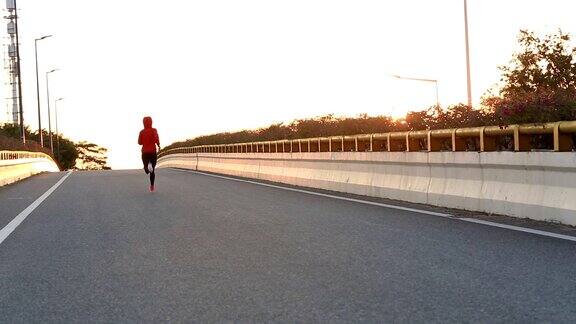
x: 150, y: 158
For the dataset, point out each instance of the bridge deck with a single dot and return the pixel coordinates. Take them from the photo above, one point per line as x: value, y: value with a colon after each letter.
x: 101, y: 248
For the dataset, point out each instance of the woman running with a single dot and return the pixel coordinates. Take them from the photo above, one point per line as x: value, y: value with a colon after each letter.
x: 148, y: 138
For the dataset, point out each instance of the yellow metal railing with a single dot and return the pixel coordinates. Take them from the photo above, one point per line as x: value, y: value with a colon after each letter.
x: 483, y: 139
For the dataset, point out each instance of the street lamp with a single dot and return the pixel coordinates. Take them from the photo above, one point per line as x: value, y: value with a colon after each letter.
x: 469, y: 83
x: 38, y: 88
x: 48, y: 102
x: 57, y: 133
x: 422, y: 80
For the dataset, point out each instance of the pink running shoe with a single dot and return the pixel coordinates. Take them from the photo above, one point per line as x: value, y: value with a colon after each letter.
x: 151, y: 188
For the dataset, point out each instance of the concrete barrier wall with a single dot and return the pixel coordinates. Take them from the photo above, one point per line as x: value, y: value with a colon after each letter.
x: 15, y: 170
x: 537, y: 185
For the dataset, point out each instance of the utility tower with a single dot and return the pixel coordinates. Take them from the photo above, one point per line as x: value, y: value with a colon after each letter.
x: 12, y: 65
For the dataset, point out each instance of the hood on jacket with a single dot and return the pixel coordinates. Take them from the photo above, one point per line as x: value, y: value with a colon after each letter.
x: 147, y: 122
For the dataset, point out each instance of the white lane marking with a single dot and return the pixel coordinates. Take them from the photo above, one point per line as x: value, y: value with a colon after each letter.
x: 8, y: 229
x: 366, y: 202
x: 520, y: 229
x: 420, y: 211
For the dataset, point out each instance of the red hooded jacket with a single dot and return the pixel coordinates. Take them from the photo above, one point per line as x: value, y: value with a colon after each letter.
x: 148, y: 137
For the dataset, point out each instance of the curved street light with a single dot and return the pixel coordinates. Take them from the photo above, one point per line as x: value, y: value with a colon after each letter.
x: 38, y: 88
x: 48, y: 102
x: 57, y: 133
x: 422, y: 80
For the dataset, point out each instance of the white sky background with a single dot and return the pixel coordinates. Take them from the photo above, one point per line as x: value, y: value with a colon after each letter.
x: 200, y: 67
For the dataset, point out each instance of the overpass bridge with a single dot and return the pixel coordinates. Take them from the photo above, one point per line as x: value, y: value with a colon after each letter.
x: 207, y: 246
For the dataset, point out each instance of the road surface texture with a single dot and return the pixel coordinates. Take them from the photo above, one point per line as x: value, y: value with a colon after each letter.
x: 101, y: 248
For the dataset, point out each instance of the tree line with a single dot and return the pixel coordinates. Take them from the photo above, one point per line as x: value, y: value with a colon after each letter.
x: 79, y: 156
x: 538, y: 85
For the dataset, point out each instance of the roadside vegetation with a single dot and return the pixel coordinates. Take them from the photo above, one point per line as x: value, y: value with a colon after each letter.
x: 538, y: 85
x: 79, y: 156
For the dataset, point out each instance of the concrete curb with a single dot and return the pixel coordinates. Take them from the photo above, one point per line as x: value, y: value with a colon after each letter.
x: 18, y: 169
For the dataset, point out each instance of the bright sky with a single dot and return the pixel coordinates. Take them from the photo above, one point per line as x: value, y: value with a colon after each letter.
x: 199, y: 67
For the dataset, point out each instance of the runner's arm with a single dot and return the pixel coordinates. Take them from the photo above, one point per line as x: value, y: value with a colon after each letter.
x: 157, y: 140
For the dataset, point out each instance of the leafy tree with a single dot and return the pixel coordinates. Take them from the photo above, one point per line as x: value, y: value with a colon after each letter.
x: 464, y: 116
x: 11, y: 130
x: 11, y: 140
x: 539, y: 83
x: 301, y: 128
x: 91, y: 157
x: 543, y: 63
x: 418, y: 120
x: 456, y: 116
x: 68, y: 154
x: 542, y: 105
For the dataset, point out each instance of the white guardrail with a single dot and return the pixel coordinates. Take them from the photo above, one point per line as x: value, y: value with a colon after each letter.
x: 18, y: 165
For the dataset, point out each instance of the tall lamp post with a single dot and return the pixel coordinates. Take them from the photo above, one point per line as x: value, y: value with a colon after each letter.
x: 468, y: 78
x: 57, y: 133
x: 422, y: 80
x: 38, y: 88
x: 48, y: 102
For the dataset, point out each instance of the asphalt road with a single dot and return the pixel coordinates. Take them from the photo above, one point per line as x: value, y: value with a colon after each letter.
x: 203, y: 249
